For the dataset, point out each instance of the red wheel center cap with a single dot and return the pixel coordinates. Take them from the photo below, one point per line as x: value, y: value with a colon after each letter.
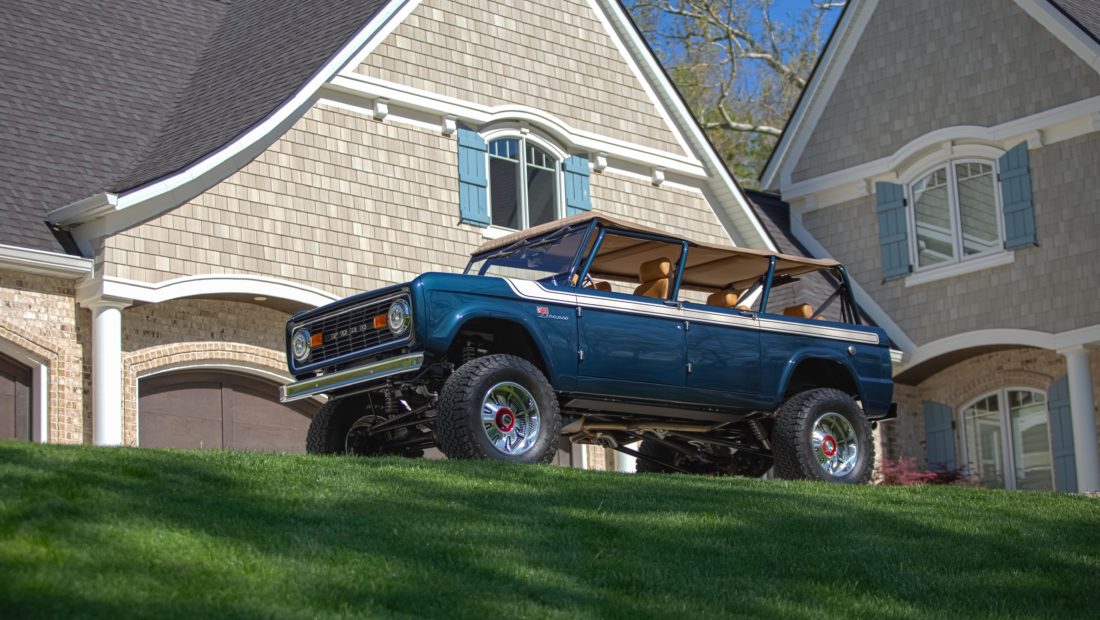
x: 506, y: 420
x: 828, y: 446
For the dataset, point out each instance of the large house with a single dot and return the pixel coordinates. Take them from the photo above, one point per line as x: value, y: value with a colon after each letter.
x: 179, y: 177
x: 947, y: 153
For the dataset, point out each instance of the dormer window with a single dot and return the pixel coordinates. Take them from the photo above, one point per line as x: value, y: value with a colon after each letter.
x: 956, y: 213
x: 512, y: 182
x: 523, y: 184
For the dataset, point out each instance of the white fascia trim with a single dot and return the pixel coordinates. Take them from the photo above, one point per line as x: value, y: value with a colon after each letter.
x: 1064, y: 30
x: 1063, y: 341
x: 202, y: 285
x: 830, y: 67
x: 368, y: 88
x: 863, y: 299
x: 737, y: 217
x: 46, y: 263
x: 171, y: 191
x: 83, y: 210
x: 1053, y: 125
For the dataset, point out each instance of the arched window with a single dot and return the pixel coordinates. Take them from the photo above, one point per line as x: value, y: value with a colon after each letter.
x: 956, y: 213
x: 523, y: 184
x: 1006, y: 440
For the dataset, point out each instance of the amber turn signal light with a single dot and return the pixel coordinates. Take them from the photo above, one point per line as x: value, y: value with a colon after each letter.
x: 380, y: 321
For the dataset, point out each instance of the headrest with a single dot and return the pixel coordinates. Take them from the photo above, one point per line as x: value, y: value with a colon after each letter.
x: 723, y: 299
x: 801, y: 311
x: 654, y: 269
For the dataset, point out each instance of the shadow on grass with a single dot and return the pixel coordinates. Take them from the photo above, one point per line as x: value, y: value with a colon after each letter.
x: 141, y: 532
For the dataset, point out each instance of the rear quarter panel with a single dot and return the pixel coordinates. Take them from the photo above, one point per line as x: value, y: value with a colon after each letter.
x: 782, y: 351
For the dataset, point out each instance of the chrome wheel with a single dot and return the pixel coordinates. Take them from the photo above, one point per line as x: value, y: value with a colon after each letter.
x: 510, y: 418
x: 835, y: 445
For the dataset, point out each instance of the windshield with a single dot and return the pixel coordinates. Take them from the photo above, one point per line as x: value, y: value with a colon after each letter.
x: 532, y: 259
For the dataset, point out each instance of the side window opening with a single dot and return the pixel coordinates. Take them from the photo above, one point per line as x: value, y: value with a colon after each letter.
x: 634, y: 266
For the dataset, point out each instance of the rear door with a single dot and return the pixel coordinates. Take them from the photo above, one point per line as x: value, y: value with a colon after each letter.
x: 723, y: 353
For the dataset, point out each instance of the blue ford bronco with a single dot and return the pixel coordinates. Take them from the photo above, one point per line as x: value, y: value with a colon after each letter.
x: 596, y: 331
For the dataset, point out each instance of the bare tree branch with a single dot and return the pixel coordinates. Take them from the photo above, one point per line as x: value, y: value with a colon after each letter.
x: 740, y: 66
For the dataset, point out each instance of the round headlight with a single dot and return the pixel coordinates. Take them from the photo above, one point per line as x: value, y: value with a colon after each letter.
x: 299, y: 344
x: 398, y: 317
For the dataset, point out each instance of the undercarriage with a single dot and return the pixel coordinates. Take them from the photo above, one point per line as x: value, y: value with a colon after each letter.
x: 399, y: 418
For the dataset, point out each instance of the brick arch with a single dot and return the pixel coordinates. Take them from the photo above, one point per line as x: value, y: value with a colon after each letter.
x: 64, y: 398
x: 964, y: 381
x: 245, y: 358
x: 1016, y: 379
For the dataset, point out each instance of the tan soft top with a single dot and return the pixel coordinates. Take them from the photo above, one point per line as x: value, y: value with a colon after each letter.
x: 709, y: 267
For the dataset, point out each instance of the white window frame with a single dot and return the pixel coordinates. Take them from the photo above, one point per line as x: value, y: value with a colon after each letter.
x: 1009, y: 462
x: 524, y: 136
x: 953, y: 213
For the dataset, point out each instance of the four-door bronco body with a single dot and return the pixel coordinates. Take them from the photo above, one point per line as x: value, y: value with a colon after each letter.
x: 604, y: 332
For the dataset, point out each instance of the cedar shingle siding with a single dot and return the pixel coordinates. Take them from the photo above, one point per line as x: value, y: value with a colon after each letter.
x: 923, y: 66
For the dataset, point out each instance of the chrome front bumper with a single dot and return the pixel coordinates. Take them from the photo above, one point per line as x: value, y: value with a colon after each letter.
x: 352, y: 376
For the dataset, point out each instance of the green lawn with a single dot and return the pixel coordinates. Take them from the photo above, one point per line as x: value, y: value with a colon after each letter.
x: 87, y: 532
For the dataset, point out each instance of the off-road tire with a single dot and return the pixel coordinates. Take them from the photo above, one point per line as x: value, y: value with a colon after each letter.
x: 328, y: 431
x: 792, y: 437
x: 744, y: 464
x: 458, y: 428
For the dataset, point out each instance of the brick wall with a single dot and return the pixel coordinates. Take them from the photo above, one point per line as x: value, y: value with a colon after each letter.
x: 38, y: 317
x: 960, y: 384
x: 1049, y: 288
x: 197, y: 333
x: 555, y: 57
x: 922, y: 65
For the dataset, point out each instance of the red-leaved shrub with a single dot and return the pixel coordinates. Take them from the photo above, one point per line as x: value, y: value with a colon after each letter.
x: 903, y: 472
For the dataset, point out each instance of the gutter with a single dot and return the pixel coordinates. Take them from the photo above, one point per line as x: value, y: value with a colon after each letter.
x: 45, y: 263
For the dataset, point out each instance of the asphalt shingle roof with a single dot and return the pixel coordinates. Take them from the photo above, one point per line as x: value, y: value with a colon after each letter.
x: 1085, y: 12
x: 108, y: 95
x: 814, y: 288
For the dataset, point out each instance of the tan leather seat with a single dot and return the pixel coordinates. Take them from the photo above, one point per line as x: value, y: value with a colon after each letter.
x: 801, y: 311
x: 723, y: 299
x: 654, y: 278
x: 602, y: 285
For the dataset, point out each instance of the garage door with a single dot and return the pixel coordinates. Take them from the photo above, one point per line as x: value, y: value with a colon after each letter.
x: 215, y: 410
x: 15, y: 400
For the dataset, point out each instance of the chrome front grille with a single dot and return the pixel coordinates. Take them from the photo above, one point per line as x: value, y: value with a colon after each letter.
x: 351, y: 330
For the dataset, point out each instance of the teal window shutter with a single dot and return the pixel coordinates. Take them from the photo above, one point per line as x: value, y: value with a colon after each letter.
x: 1061, y: 437
x: 1016, y: 193
x: 578, y: 193
x: 939, y: 436
x: 473, y: 204
x: 893, y: 229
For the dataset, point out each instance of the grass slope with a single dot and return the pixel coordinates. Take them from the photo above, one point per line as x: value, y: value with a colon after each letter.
x: 87, y: 532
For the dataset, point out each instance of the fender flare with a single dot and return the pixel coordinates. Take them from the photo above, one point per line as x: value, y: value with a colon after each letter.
x: 813, y: 354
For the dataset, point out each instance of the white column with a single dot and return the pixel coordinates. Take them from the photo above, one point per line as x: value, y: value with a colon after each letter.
x: 625, y: 462
x: 1081, y: 404
x: 107, y: 371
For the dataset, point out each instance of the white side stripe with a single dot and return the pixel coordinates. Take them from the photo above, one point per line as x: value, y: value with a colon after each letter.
x: 535, y: 291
